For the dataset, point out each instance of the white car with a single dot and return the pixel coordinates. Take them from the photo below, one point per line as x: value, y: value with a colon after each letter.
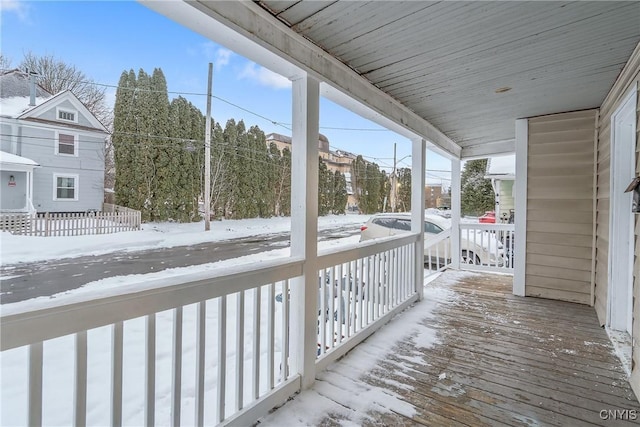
x: 476, y: 247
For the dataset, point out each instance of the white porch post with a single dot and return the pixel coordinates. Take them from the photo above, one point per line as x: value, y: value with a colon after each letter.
x: 29, y: 200
x: 455, y: 212
x: 418, y: 169
x: 304, y: 226
x: 520, y: 236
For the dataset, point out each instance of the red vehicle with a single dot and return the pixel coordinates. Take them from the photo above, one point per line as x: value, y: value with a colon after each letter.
x: 488, y: 218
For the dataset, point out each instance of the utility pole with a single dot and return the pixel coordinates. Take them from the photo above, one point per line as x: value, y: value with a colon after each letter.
x: 207, y: 156
x: 393, y: 189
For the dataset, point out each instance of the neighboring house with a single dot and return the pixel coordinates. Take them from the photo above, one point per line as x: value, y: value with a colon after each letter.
x: 58, y: 134
x: 502, y: 173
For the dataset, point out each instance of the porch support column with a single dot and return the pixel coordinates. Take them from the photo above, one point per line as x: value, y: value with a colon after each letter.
x: 520, y: 236
x: 304, y: 226
x: 456, y: 208
x: 418, y: 170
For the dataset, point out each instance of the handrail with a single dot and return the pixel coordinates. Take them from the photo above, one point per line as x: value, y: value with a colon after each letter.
x: 27, y: 327
x: 488, y: 227
x: 330, y: 257
x: 441, y: 236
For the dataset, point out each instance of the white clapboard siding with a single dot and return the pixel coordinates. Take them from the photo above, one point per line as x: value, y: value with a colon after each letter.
x: 560, y: 206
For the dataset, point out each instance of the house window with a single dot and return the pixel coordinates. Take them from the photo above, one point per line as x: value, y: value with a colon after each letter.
x: 67, y: 115
x: 65, y: 187
x: 66, y: 144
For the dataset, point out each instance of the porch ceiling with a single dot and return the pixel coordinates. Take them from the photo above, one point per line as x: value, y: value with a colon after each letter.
x: 448, y: 61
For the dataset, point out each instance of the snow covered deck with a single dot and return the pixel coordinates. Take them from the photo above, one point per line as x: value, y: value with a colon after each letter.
x: 471, y: 353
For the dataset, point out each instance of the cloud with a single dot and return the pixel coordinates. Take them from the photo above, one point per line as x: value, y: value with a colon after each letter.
x: 214, y: 53
x: 15, y: 6
x: 264, y: 76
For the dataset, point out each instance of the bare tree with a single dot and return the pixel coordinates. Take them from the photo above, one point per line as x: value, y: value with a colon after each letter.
x: 56, y: 76
x: 5, y: 62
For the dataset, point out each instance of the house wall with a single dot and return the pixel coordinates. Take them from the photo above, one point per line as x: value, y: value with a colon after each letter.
x: 38, y: 143
x: 629, y: 77
x: 506, y: 199
x: 51, y: 114
x: 560, y: 176
x: 13, y: 197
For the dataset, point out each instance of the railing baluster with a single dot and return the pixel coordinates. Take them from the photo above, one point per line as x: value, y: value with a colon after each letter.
x: 80, y: 389
x: 176, y: 377
x: 322, y: 300
x: 256, y: 343
x: 271, y: 313
x: 344, y: 286
x: 332, y: 306
x: 360, y: 284
x: 116, y: 373
x: 222, y: 357
x: 200, y: 353
x: 284, y: 362
x: 150, y: 349
x: 350, y: 312
x: 240, y: 351
x: 340, y: 302
x: 35, y: 384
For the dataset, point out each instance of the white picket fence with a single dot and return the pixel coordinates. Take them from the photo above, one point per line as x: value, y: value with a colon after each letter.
x: 220, y: 344
x: 70, y: 224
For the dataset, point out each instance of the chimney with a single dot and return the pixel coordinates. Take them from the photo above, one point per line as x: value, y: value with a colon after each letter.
x: 32, y: 88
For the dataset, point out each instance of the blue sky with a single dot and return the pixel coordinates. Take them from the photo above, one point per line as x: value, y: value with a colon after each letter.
x: 105, y: 38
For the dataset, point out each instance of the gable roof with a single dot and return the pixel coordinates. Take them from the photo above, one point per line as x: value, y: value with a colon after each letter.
x: 15, y: 99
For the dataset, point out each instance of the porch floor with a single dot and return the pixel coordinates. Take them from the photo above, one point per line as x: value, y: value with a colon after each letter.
x: 494, y: 359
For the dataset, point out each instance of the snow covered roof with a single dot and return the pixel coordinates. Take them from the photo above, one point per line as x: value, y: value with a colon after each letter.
x: 15, y: 93
x: 501, y: 167
x: 12, y: 159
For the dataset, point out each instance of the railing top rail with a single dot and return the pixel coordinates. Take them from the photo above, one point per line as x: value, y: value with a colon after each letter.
x: 439, y: 238
x: 26, y: 327
x: 331, y: 257
x: 478, y: 226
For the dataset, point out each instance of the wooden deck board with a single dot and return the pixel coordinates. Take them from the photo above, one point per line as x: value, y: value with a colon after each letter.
x: 498, y: 360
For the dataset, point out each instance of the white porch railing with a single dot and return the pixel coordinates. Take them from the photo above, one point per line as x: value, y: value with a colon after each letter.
x: 202, y: 348
x: 483, y: 247
x: 487, y: 247
x: 363, y: 287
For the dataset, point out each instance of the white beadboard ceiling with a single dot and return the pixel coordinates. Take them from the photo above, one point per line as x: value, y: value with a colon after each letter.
x: 446, y: 60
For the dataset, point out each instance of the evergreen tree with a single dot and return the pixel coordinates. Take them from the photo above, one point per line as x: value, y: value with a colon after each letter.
x: 325, y: 184
x: 404, y: 189
x: 123, y: 139
x: 339, y: 193
x: 477, y: 193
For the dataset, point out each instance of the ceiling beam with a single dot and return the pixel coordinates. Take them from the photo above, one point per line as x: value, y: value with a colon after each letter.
x: 252, y: 32
x: 489, y: 149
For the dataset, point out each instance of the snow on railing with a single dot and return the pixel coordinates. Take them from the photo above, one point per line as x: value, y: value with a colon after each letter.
x: 487, y: 247
x: 201, y: 348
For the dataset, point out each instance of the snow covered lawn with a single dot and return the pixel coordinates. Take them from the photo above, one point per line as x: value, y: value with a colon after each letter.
x: 15, y: 249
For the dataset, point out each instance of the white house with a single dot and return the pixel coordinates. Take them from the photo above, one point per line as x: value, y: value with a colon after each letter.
x: 502, y: 173
x: 58, y: 134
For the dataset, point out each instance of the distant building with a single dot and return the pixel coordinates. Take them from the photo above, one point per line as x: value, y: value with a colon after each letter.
x: 431, y: 195
x: 336, y: 161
